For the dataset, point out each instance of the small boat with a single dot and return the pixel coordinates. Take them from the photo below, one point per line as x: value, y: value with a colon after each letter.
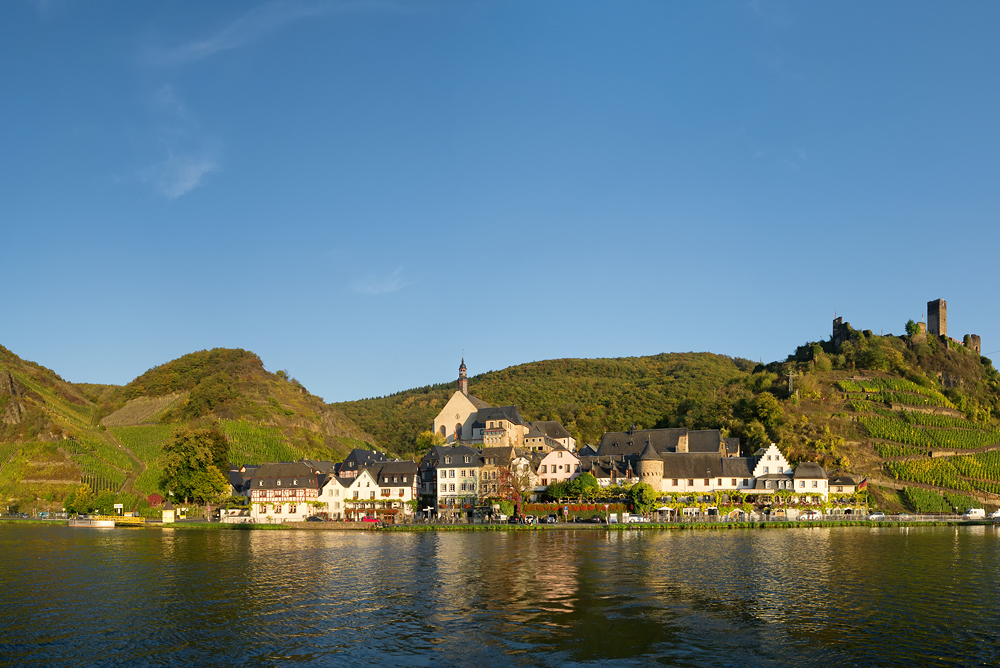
x: 92, y: 522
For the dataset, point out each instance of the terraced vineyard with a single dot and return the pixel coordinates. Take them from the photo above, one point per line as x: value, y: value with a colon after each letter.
x: 251, y: 443
x: 928, y: 501
x: 909, y: 438
x: 147, y: 444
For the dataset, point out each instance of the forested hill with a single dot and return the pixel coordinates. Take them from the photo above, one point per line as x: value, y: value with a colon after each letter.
x: 55, y: 435
x: 588, y: 396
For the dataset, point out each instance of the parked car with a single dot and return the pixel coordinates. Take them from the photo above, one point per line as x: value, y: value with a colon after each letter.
x: 902, y: 517
x: 530, y: 519
x: 315, y: 518
x: 596, y: 520
x: 975, y: 514
x: 809, y: 515
x: 876, y: 517
x: 552, y: 519
x: 995, y: 515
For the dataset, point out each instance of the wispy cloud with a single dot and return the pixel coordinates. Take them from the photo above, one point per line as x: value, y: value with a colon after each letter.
x: 252, y: 25
x: 179, y: 174
x: 380, y: 285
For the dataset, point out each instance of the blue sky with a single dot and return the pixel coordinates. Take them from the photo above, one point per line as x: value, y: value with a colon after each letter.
x: 361, y: 191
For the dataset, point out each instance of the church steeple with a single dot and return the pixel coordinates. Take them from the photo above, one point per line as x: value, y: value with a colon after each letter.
x: 463, y: 382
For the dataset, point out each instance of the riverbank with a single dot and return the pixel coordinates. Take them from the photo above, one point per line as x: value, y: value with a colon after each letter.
x: 680, y: 526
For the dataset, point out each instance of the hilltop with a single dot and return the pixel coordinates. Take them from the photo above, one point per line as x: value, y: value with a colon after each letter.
x: 55, y: 434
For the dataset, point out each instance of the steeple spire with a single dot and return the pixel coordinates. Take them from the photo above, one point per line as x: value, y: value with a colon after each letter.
x: 463, y: 381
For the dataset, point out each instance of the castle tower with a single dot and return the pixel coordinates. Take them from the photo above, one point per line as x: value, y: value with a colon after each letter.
x: 937, y: 317
x: 650, y: 467
x: 463, y: 382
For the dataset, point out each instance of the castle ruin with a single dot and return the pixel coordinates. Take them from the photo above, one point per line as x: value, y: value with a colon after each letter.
x: 937, y: 325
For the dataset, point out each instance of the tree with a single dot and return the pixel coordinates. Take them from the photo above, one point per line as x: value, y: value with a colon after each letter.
x: 643, y: 497
x: 80, y: 500
x: 911, y: 328
x: 558, y: 490
x: 428, y: 439
x: 588, y: 484
x: 193, y: 466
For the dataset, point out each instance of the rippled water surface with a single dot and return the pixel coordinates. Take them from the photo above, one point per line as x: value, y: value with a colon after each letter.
x: 838, y: 596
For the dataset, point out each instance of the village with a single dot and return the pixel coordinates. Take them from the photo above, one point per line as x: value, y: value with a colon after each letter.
x: 489, y: 464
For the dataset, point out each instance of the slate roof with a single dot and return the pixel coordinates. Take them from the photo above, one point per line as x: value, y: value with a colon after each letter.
x: 692, y: 465
x: 551, y: 428
x: 321, y: 466
x: 503, y: 455
x: 732, y: 446
x: 587, y: 451
x: 649, y: 454
x: 704, y: 440
x: 810, y: 470
x: 435, y: 457
x: 477, y: 402
x: 359, y: 459
x: 843, y: 480
x: 399, y: 469
x: 500, y: 413
x: 285, y: 475
x: 633, y: 443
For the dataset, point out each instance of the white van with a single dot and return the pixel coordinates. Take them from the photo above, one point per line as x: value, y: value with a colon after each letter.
x: 975, y: 514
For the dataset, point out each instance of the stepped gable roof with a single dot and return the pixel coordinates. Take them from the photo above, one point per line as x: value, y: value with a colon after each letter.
x: 692, y: 465
x: 704, y: 440
x: 810, y: 470
x: 285, y: 475
x: 551, y: 428
x: 633, y: 442
x: 500, y: 413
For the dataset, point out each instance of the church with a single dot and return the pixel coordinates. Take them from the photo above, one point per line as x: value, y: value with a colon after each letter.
x: 469, y: 420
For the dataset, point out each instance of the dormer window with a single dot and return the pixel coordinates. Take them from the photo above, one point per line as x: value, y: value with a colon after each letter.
x: 261, y: 484
x: 278, y: 483
x: 447, y: 460
x: 295, y: 482
x: 467, y: 459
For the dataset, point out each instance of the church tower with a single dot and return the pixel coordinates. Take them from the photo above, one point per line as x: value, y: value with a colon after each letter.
x: 463, y: 382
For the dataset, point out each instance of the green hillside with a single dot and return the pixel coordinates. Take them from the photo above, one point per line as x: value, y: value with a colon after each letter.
x: 56, y: 435
x: 588, y: 396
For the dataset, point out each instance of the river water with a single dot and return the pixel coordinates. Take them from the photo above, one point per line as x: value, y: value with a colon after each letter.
x: 836, y: 595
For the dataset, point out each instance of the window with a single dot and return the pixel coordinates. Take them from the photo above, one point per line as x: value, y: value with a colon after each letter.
x: 444, y: 474
x: 690, y: 482
x: 815, y: 483
x: 706, y: 482
x: 746, y: 482
x: 781, y: 469
x: 452, y: 487
x: 545, y: 468
x: 467, y: 459
x: 263, y: 508
x: 545, y: 481
x: 401, y: 491
x: 260, y: 483
x: 674, y: 483
x: 372, y: 496
x: 404, y: 478
x: 559, y: 454
x: 720, y: 482
x: 277, y: 509
x: 278, y: 483
x: 769, y: 458
x: 447, y: 460
x: 765, y: 468
x: 463, y: 474
x: 802, y: 483
x: 451, y: 473
x: 767, y: 483
x: 386, y: 492
x: 840, y: 489
x: 355, y: 495
x: 385, y: 479
x: 292, y: 508
x: 733, y: 484
x: 295, y: 482
x: 463, y: 486
x: 395, y: 478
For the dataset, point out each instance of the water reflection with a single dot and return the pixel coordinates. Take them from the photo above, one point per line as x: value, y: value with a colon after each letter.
x: 759, y: 598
